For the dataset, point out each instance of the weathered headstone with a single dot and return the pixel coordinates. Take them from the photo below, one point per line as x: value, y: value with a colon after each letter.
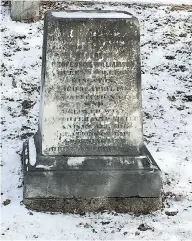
x: 25, y: 10
x: 89, y: 153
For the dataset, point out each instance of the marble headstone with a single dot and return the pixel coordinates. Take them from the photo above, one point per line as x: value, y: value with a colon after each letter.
x: 90, y: 139
x: 91, y: 103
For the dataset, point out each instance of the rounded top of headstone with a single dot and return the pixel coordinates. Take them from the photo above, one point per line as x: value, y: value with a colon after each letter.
x: 91, y: 14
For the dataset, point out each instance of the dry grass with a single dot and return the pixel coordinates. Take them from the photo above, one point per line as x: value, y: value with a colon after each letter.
x: 187, y: 8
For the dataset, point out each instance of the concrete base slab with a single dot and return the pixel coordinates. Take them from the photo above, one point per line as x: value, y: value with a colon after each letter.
x: 91, y: 183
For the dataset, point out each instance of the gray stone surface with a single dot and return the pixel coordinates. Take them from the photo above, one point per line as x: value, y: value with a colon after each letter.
x: 89, y: 146
x: 91, y: 86
x: 91, y: 176
x: 25, y: 10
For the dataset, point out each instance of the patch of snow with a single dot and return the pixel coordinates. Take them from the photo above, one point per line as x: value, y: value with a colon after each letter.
x: 90, y: 15
x: 140, y: 164
x: 44, y: 167
x: 32, y: 152
x: 75, y: 161
x: 178, y: 2
x: 124, y: 161
x: 26, y: 161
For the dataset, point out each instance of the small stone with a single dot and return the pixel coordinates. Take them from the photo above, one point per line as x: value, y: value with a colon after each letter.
x: 6, y: 202
x: 137, y: 233
x: 104, y: 223
x: 183, y: 35
x: 170, y: 57
x: 173, y: 213
x: 86, y: 225
x: 17, y: 49
x: 182, y: 68
x: 172, y: 98
x: 20, y: 37
x: 188, y: 98
x: 125, y: 233
x: 115, y: 214
x: 3, y: 29
x: 14, y: 84
x: 169, y: 194
x: 181, y: 107
x: 30, y: 213
x: 144, y: 227
x: 82, y: 214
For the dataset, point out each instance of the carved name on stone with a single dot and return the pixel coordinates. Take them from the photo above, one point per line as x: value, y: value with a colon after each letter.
x: 91, y: 103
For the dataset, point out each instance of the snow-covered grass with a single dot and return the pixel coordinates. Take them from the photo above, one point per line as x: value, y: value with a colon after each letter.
x: 166, y: 46
x: 139, y: 1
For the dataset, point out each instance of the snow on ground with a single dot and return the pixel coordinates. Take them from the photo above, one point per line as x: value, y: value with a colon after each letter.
x: 140, y: 1
x: 166, y: 46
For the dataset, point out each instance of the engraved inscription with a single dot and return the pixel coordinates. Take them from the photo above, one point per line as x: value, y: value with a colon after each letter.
x: 91, y: 97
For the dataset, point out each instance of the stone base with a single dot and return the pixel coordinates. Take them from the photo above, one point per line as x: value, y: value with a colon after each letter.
x: 91, y: 183
x: 82, y: 205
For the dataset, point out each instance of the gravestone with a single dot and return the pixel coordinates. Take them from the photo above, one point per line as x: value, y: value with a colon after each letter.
x: 25, y: 10
x: 88, y: 153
